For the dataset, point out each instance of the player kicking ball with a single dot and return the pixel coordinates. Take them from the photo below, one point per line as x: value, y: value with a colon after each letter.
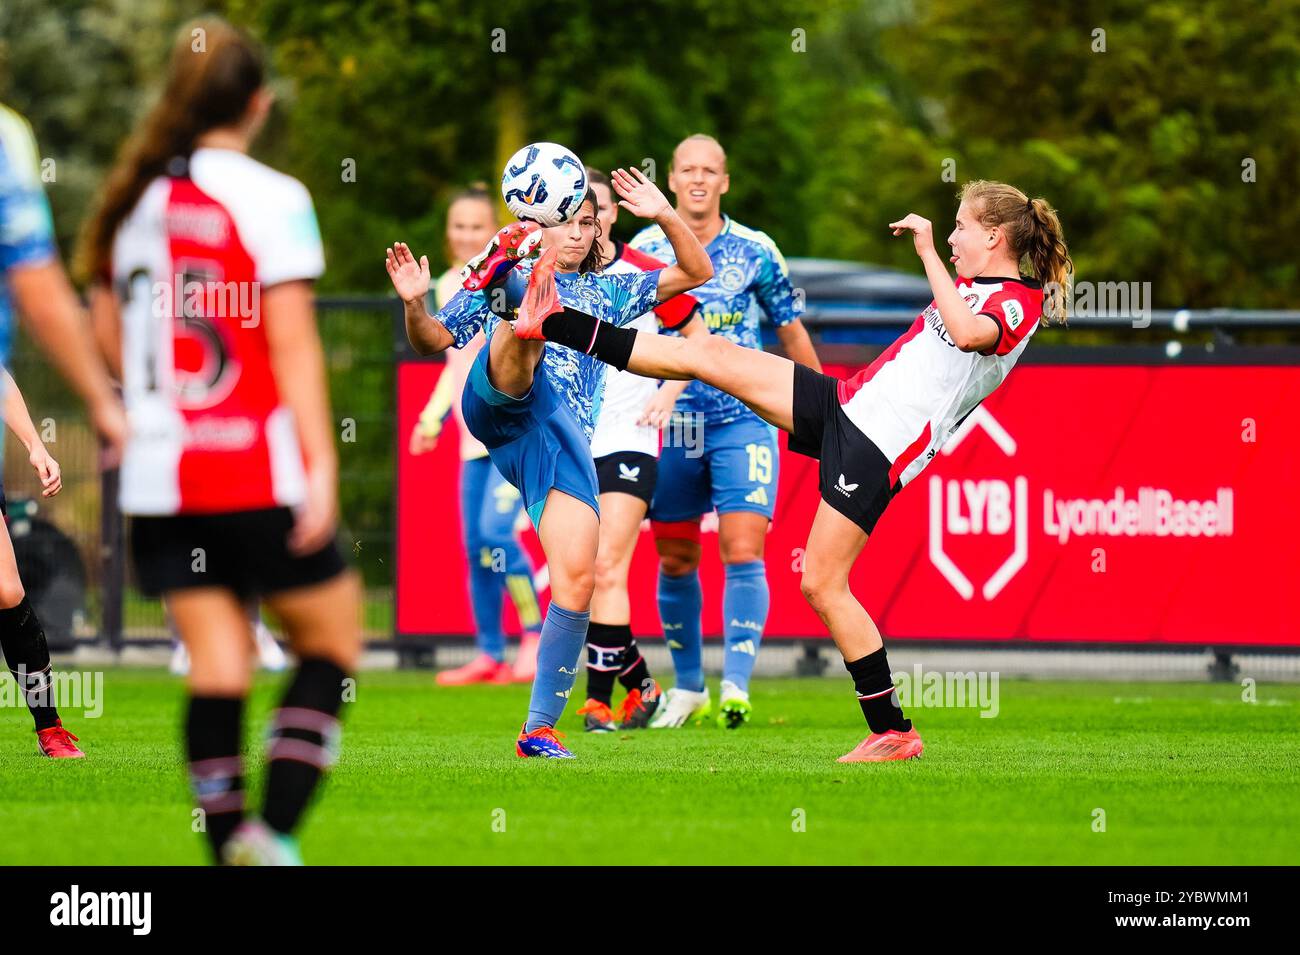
x: 876, y: 431
x: 533, y: 406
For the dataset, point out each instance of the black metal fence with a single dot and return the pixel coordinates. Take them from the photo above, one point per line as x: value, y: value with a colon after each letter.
x: 70, y: 547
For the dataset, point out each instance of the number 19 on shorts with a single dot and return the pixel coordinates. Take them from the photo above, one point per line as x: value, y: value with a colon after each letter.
x: 760, y: 462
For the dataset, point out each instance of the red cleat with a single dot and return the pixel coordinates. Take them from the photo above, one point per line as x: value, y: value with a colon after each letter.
x: 541, y: 300
x: 57, y: 743
x: 881, y: 747
x: 504, y: 251
x: 482, y: 669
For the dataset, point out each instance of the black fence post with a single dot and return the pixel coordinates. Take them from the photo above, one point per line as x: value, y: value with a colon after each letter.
x: 112, y: 561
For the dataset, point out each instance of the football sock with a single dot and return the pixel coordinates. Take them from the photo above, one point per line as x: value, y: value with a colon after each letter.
x: 600, y: 340
x: 303, y: 741
x: 558, y: 652
x: 745, y: 601
x: 485, y: 586
x: 28, y: 659
x: 212, y: 742
x: 636, y: 673
x: 876, y: 693
x: 606, y: 646
x: 681, y: 601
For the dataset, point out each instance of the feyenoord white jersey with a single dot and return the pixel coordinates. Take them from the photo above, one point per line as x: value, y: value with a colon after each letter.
x: 626, y: 394
x: 911, y: 399
x: 189, y: 266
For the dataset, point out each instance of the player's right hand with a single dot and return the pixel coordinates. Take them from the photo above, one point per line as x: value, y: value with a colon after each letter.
x: 658, y: 411
x: 410, y: 278
x: 422, y: 442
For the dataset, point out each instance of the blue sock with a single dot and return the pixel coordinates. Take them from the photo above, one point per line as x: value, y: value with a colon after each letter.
x: 681, y: 601
x: 564, y: 632
x: 485, y: 589
x: 744, y: 615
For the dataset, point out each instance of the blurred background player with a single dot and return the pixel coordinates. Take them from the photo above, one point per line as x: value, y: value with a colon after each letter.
x: 735, y: 470
x: 230, y: 473
x: 625, y: 446
x: 32, y: 278
x: 489, y: 505
x: 534, y: 407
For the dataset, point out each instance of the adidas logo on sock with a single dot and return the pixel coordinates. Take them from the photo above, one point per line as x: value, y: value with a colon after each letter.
x: 744, y: 646
x: 674, y: 645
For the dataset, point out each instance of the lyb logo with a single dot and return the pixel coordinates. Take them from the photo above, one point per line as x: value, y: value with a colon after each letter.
x: 966, y: 507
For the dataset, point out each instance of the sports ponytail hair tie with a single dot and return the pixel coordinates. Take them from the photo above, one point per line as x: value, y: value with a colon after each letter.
x: 1029, y: 204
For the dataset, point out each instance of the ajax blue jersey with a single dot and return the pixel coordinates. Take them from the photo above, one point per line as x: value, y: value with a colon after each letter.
x: 26, y: 232
x: 749, y: 275
x: 579, y: 379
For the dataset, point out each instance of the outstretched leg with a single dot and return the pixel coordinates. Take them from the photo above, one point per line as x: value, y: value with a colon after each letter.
x: 763, y: 381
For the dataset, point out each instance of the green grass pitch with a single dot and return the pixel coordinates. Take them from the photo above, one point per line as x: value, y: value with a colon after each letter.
x: 1185, y: 773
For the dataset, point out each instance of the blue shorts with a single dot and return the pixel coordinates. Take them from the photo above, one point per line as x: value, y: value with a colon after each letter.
x: 534, y: 441
x: 737, y: 471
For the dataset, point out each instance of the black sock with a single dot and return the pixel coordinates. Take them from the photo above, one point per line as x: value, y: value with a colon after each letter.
x: 606, y: 646
x: 303, y: 741
x: 28, y: 658
x: 635, y: 674
x: 876, y: 693
x: 212, y: 741
x: 600, y: 340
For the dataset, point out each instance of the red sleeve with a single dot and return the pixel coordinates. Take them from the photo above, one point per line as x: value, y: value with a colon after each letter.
x: 675, y: 312
x: 1015, y: 317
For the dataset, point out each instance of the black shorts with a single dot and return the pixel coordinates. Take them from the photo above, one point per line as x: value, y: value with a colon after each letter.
x: 243, y: 551
x: 628, y: 472
x: 854, y: 473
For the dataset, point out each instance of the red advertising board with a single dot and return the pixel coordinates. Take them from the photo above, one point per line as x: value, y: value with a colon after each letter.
x: 1098, y: 503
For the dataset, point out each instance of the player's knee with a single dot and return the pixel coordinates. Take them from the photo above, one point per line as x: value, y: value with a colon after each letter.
x: 11, y: 592
x: 820, y: 590
x: 574, y: 588
x: 608, y: 574
x: 676, y: 564
x: 742, y: 551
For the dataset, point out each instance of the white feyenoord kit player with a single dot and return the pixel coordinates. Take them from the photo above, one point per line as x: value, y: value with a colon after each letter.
x: 209, y: 436
x: 627, y: 453
x: 876, y: 431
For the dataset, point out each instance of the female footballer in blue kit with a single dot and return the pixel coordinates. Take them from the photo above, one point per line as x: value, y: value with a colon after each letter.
x: 534, y: 406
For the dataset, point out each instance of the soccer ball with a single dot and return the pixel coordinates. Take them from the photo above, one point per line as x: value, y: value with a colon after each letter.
x: 544, y: 183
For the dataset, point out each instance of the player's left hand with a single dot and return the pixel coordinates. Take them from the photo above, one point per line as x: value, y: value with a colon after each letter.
x: 658, y: 411
x: 640, y: 196
x: 48, y: 470
x: 922, y: 232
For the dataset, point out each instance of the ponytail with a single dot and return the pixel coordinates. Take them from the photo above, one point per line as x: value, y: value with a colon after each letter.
x: 1034, y: 236
x: 213, y: 73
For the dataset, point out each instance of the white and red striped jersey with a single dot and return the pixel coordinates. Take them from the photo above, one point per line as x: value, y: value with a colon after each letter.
x: 626, y: 394
x: 189, y: 264
x: 911, y: 399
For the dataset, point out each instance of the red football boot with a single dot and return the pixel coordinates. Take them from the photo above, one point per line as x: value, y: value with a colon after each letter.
x: 541, y: 300
x: 57, y: 743
x: 504, y: 251
x: 880, y: 747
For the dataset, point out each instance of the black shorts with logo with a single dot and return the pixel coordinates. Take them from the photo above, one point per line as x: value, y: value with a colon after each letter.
x: 854, y: 473
x: 628, y: 472
x: 243, y: 551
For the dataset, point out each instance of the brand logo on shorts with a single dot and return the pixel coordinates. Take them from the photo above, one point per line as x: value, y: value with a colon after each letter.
x: 757, y: 496
x: 844, y: 487
x: 627, y: 473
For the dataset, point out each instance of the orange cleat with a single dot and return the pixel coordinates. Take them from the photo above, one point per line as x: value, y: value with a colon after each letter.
x: 541, y: 300
x: 57, y: 743
x: 881, y: 747
x: 599, y: 717
x: 482, y: 669
x: 504, y: 251
x: 636, y: 709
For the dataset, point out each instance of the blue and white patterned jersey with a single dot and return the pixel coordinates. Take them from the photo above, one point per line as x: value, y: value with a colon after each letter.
x: 578, y: 378
x: 26, y: 231
x: 748, y: 270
